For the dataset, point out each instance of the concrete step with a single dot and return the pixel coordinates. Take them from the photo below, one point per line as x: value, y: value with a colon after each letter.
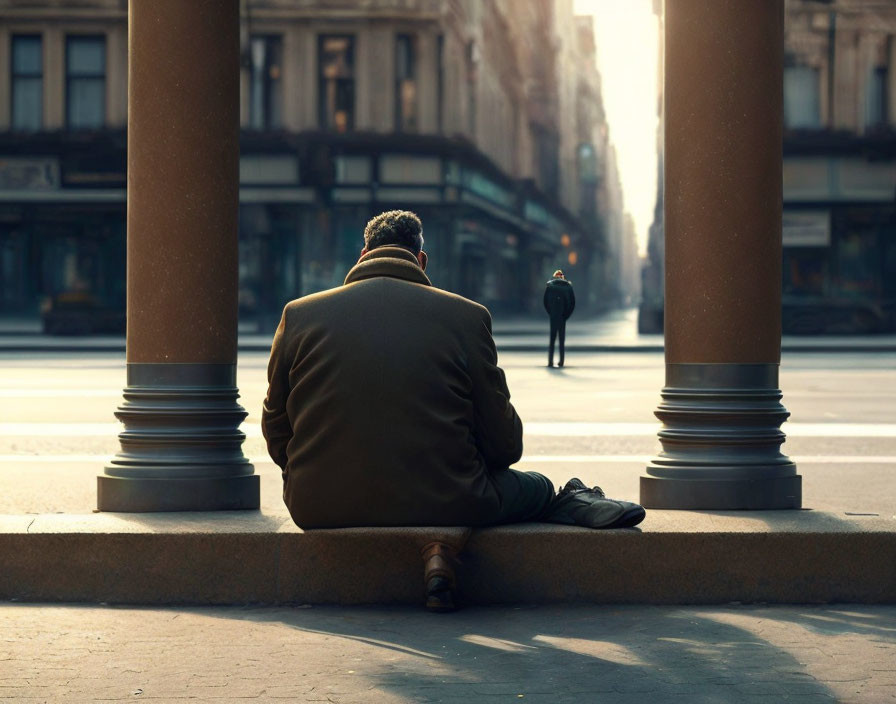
x: 883, y: 344
x: 252, y: 557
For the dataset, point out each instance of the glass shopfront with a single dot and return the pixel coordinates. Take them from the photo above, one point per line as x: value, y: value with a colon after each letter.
x: 269, y: 261
x: 61, y: 250
x: 839, y: 270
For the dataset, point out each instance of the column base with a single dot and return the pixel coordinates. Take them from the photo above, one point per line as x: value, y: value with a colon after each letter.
x: 181, y: 447
x: 721, y: 441
x: 119, y: 494
x: 722, y: 494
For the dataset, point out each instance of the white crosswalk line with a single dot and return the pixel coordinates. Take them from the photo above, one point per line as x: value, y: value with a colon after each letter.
x: 253, y: 430
x: 67, y: 430
x: 526, y: 459
x: 813, y: 430
x: 59, y: 393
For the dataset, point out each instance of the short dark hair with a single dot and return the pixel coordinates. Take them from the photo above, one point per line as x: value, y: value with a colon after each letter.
x: 400, y: 228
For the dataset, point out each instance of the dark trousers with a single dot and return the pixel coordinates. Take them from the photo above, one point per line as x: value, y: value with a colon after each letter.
x: 525, y: 496
x: 558, y: 328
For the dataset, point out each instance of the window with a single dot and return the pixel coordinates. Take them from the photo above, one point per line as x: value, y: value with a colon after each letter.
x: 888, y: 260
x: 265, y: 84
x: 353, y: 169
x: 472, y: 65
x: 85, y: 74
x: 857, y: 264
x: 805, y: 271
x: 876, y: 97
x: 440, y: 83
x: 876, y: 93
x: 405, y: 83
x: 547, y: 149
x: 27, y: 82
x: 586, y: 158
x: 336, y: 94
x: 801, y: 99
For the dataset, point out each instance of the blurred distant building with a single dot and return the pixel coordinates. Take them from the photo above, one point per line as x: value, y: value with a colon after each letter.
x: 614, y: 224
x: 483, y: 116
x: 630, y: 263
x: 599, y: 191
x: 840, y: 166
x: 651, y: 307
x: 839, y: 220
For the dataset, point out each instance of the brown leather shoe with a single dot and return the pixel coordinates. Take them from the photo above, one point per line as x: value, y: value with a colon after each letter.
x: 438, y: 576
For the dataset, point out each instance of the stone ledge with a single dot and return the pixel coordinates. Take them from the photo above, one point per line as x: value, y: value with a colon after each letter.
x: 249, y: 557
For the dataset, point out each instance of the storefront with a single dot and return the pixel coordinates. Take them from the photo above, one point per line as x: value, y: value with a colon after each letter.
x: 839, y: 236
x: 304, y: 203
x: 840, y: 269
x: 54, y: 250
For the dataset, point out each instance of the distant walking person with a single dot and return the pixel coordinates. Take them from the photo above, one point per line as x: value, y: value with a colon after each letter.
x: 559, y: 302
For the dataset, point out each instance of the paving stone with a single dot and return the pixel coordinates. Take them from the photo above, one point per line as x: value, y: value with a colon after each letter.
x: 397, y: 655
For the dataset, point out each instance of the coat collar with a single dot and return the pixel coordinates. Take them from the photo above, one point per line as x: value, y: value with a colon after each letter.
x: 395, y: 262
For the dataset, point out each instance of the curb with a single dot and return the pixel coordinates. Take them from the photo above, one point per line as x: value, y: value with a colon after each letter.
x: 247, y: 557
x: 508, y: 347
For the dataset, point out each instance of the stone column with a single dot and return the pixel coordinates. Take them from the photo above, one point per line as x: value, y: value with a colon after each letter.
x: 721, y: 408
x: 181, y: 446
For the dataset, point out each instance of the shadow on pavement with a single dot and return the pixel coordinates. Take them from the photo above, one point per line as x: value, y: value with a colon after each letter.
x: 576, y: 653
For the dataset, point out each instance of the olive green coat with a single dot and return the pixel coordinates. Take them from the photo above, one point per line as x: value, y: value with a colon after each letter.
x: 386, y: 405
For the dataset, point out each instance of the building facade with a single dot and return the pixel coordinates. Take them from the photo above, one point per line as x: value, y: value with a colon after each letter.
x: 484, y: 117
x: 651, y: 306
x: 839, y: 220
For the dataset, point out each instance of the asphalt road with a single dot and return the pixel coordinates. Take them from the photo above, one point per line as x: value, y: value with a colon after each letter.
x: 593, y: 419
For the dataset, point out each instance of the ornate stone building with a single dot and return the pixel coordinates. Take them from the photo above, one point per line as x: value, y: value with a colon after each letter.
x: 839, y: 225
x: 840, y: 166
x: 485, y: 117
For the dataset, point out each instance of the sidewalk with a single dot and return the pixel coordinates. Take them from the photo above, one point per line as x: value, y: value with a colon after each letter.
x: 615, y: 331
x: 382, y: 655
x: 841, y: 550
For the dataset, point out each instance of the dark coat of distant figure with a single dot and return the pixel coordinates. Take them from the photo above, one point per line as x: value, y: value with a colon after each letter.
x: 559, y: 302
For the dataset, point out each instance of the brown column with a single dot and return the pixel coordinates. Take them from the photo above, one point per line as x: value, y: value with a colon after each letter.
x: 181, y: 447
x: 721, y: 407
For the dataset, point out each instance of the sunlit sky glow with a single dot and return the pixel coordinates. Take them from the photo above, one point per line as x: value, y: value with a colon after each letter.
x: 626, y: 38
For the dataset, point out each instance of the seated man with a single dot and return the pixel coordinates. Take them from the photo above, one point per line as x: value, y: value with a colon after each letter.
x: 386, y: 406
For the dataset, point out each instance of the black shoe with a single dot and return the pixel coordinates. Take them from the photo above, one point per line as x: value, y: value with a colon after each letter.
x: 440, y: 595
x: 577, y: 505
x: 438, y: 576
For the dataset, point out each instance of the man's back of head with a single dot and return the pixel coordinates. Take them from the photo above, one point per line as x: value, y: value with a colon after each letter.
x: 396, y: 228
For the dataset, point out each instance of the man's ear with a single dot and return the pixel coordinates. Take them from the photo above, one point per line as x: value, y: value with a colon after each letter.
x: 422, y: 259
x: 364, y: 250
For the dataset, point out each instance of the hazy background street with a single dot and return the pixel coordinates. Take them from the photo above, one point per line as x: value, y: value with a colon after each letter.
x: 593, y: 419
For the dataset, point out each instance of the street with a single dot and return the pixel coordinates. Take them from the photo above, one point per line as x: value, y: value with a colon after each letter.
x: 593, y: 419
x: 713, y: 178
